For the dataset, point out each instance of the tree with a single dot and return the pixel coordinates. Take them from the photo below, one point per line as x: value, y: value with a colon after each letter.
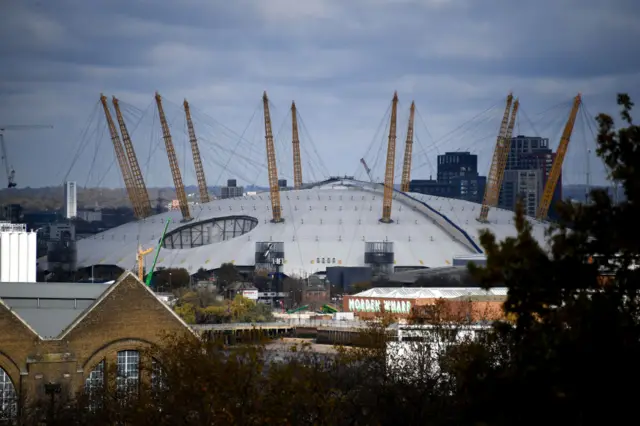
x: 573, y: 336
x: 171, y: 279
x: 227, y: 274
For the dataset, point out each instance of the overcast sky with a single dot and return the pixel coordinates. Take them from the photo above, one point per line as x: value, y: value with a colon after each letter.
x: 339, y: 60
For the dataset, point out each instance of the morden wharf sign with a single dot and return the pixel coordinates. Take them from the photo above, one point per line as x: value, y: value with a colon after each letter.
x: 380, y: 305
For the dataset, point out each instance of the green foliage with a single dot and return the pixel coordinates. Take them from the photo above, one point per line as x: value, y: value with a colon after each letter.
x: 171, y: 279
x: 227, y: 274
x: 570, y: 357
x: 202, y: 307
x: 575, y: 338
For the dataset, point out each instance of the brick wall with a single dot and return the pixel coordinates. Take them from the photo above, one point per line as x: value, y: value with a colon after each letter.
x: 126, y: 316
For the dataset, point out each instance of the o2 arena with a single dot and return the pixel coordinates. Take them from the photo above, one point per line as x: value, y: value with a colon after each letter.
x: 328, y: 224
x: 337, y: 222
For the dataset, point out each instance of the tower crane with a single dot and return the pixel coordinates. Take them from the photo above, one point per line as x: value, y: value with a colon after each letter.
x: 408, y: 148
x: 140, y: 255
x: 391, y: 161
x: 11, y: 173
x: 122, y: 160
x: 274, y: 189
x: 295, y: 140
x: 136, y: 173
x: 556, y: 167
x: 499, y: 160
x: 197, y: 160
x: 173, y: 162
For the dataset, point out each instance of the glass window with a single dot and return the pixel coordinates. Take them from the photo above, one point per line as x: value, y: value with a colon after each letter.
x: 128, y: 371
x: 158, y: 376
x: 8, y: 398
x: 93, y: 384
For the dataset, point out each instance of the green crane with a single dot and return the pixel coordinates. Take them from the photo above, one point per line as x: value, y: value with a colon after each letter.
x: 155, y: 258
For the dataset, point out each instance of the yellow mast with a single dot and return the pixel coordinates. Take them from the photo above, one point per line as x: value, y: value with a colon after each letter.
x: 408, y: 148
x: 391, y: 161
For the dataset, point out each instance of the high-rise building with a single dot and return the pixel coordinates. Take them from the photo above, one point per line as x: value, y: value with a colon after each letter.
x: 70, y: 200
x: 526, y: 173
x: 457, y: 177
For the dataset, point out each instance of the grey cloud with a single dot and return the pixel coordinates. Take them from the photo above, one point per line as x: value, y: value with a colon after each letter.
x: 339, y: 60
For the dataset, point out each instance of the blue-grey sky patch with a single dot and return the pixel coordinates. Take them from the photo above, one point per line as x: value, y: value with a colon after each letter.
x: 340, y: 61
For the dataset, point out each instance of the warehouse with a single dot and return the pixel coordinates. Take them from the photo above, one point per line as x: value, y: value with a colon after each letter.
x: 474, y: 304
x: 66, y: 336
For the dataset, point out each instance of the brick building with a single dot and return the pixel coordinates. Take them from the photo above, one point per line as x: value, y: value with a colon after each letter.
x: 69, y: 334
x: 473, y: 304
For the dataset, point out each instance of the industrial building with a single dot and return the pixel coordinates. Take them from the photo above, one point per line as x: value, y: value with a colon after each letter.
x: 18, y: 251
x: 69, y: 335
x: 470, y: 304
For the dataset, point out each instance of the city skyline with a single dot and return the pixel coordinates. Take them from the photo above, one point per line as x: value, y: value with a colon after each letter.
x: 340, y: 61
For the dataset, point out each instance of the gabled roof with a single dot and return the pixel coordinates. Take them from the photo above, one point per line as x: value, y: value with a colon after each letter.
x: 48, y: 308
x: 52, y: 310
x: 110, y: 290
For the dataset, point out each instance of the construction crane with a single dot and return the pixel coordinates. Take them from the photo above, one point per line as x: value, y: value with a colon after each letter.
x: 274, y: 189
x: 122, y: 161
x: 136, y: 173
x: 408, y: 147
x: 141, y: 255
x: 11, y: 173
x: 158, y: 248
x: 391, y: 161
x: 295, y: 140
x: 173, y: 162
x: 494, y: 180
x: 367, y: 169
x: 556, y: 167
x: 197, y: 160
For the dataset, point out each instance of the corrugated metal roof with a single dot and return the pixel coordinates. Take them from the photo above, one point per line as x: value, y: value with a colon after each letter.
x: 430, y: 293
x: 52, y: 290
x: 49, y: 308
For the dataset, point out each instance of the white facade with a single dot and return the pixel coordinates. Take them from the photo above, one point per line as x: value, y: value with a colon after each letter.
x: 17, y: 253
x: 70, y: 200
x: 324, y: 225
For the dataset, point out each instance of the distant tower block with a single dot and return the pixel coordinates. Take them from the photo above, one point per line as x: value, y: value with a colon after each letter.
x: 70, y: 200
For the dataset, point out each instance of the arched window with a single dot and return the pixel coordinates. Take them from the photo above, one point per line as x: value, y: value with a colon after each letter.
x: 94, y: 384
x: 128, y: 367
x: 8, y: 398
x: 158, y: 376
